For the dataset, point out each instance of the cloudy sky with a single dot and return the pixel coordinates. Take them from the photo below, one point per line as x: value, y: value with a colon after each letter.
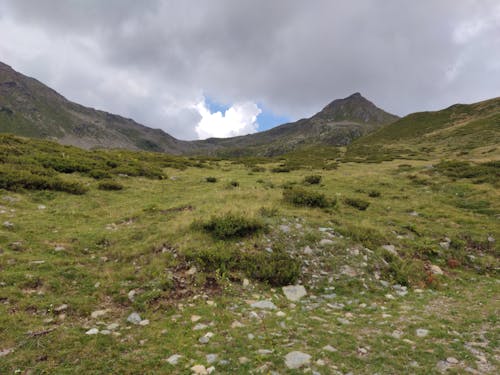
x: 201, y: 68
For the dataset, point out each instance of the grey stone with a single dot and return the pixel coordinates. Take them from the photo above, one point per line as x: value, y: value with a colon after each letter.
x: 265, y: 305
x: 92, y: 331
x: 326, y: 242
x: 174, y: 359
x: 134, y: 318
x: 421, y: 332
x: 211, y: 358
x: 296, y: 359
x: 294, y: 292
x: 436, y: 270
x: 391, y: 249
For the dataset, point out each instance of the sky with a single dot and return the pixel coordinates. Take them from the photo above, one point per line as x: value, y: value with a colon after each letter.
x: 219, y: 68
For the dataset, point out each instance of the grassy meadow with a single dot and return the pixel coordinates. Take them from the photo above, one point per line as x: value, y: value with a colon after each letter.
x: 399, y: 258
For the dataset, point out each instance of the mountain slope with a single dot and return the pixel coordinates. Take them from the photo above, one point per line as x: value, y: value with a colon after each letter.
x: 458, y: 129
x: 338, y: 124
x: 29, y: 108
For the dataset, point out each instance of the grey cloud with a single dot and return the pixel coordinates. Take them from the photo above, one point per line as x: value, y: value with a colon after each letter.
x: 294, y: 56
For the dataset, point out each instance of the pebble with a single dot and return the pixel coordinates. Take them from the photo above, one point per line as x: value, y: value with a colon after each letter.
x: 294, y: 292
x: 421, y: 332
x: 112, y: 326
x: 329, y: 348
x: 265, y: 305
x: 144, y: 322
x: 199, y: 327
x: 452, y: 360
x: 199, y: 370
x: 205, y: 338
x: 92, y: 331
x: 308, y: 251
x: 134, y: 318
x: 61, y: 308
x: 41, y: 207
x: 296, y: 359
x: 8, y: 225
x: 99, y: 313
x: 436, y: 270
x: 285, y: 228
x: 326, y: 242
x: 174, y: 359
x: 211, y: 358
x: 397, y: 334
x: 237, y: 324
x: 264, y: 351
x: 391, y: 249
x: 246, y: 283
x: 131, y: 295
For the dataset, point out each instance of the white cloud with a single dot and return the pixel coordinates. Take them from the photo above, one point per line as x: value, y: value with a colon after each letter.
x: 240, y: 119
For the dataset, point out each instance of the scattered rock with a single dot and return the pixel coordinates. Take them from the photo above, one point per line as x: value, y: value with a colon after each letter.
x: 92, y: 331
x: 61, y: 308
x: 421, y: 332
x: 348, y: 271
x: 174, y: 359
x: 237, y: 324
x: 264, y: 305
x: 41, y: 207
x: 99, y: 313
x: 294, y: 292
x: 134, y: 318
x: 452, y: 360
x: 326, y: 242
x: 205, y: 338
x: 414, y: 213
x: 4, y: 352
x: 391, y: 249
x: 397, y: 334
x: 284, y: 228
x: 329, y: 348
x: 491, y: 239
x: 8, y: 225
x: 436, y: 270
x: 199, y: 370
x: 246, y: 283
x: 199, y: 327
x: 211, y: 358
x: 131, y: 295
x: 243, y: 360
x: 308, y: 251
x: 191, y: 271
x: 113, y: 326
x: 264, y: 352
x: 195, y: 318
x: 144, y: 322
x: 296, y: 359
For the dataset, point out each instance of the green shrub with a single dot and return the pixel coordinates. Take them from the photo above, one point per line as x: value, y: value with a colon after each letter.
x: 231, y: 226
x: 357, y: 203
x: 303, y: 197
x: 281, y: 169
x: 211, y: 179
x: 312, y: 179
x: 277, y: 268
x: 374, y: 193
x: 110, y: 185
x: 15, y: 180
x: 258, y: 169
x: 221, y: 257
x: 234, y: 183
x: 99, y: 174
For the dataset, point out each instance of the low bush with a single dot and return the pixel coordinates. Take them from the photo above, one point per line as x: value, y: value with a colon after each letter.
x: 230, y: 226
x: 234, y: 183
x: 277, y: 268
x: 357, y: 203
x: 16, y: 180
x: 110, y: 185
x: 374, y: 193
x: 312, y: 179
x: 280, y: 169
x: 211, y: 179
x: 303, y: 197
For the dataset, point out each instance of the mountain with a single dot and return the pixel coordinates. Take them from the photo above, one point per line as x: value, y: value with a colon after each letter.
x: 29, y: 108
x: 458, y: 130
x: 337, y: 124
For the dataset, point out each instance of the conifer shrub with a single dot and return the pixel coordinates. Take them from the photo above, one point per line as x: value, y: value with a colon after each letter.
x: 230, y: 226
x: 357, y: 203
x: 302, y: 197
x: 110, y: 185
x: 312, y: 179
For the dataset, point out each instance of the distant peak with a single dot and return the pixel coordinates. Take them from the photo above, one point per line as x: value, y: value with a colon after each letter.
x: 355, y: 95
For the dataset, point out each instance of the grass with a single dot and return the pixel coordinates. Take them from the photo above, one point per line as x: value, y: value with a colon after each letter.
x: 90, y: 251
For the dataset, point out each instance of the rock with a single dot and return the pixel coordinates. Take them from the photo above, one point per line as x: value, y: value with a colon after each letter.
x: 421, y: 332
x: 391, y: 249
x: 112, y: 326
x: 61, y: 308
x: 397, y: 334
x: 199, y: 327
x: 92, y: 331
x: 294, y: 292
x: 348, y: 271
x: 414, y: 213
x: 326, y: 242
x: 191, y: 271
x: 296, y: 359
x: 134, y: 318
x: 452, y: 360
x: 195, y: 318
x: 264, y: 352
x: 436, y: 270
x: 105, y: 332
x: 491, y: 239
x: 59, y: 248
x: 343, y: 321
x: 243, y: 360
x: 99, y: 313
x: 237, y: 324
x: 329, y: 348
x: 144, y: 322
x: 8, y: 225
x: 131, y: 295
x: 211, y: 358
x: 444, y: 245
x: 205, y: 338
x: 210, y: 369
x: 280, y: 314
x: 285, y: 228
x: 174, y: 359
x: 246, y: 283
x: 362, y: 351
x: 264, y: 305
x: 308, y: 251
x: 199, y: 370
x: 4, y: 352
